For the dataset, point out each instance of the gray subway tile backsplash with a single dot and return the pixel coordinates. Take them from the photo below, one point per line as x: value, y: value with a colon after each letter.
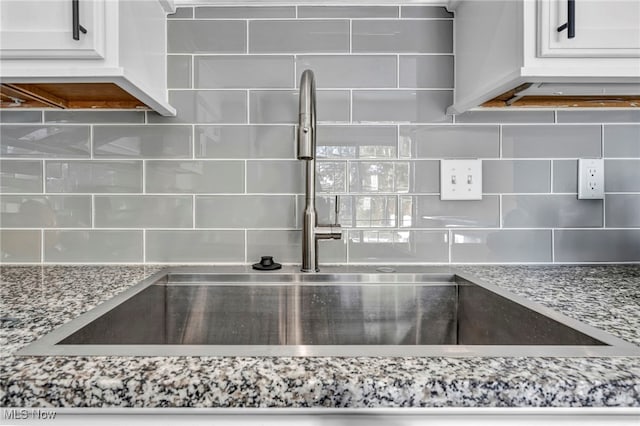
x: 179, y: 71
x: 529, y: 141
x: 194, y: 246
x: 598, y: 245
x: 20, y: 246
x: 50, y: 211
x: 286, y: 246
x: 20, y: 176
x: 622, y: 141
x: 232, y: 72
x: 622, y: 175
x: 181, y: 13
x: 449, y: 141
x: 142, y: 141
x: 205, y: 107
x: 506, y: 117
x: 622, y: 210
x: 249, y: 12
x: 424, y: 176
x: 20, y: 116
x: 220, y: 182
x: 93, y: 246
x: 430, y: 12
x: 364, y: 142
x: 600, y: 116
x: 550, y: 211
x: 428, y: 211
x: 516, y: 176
x: 250, y: 141
x: 194, y: 177
x: 44, y: 141
x: 91, y: 117
x: 496, y: 246
x: 293, y: 36
x: 387, y: 176
x: 246, y: 211
x: 384, y: 246
x: 275, y: 177
x: 402, y: 36
x: 340, y: 71
x: 565, y: 176
x: 431, y: 71
x: 194, y: 36
x: 93, y: 176
x: 281, y: 106
x: 143, y: 211
x: 347, y: 11
x: 406, y: 106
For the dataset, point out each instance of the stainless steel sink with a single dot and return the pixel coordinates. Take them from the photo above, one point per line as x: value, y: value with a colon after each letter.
x: 187, y: 312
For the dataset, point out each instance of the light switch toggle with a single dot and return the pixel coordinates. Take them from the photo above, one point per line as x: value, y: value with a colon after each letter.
x: 461, y: 179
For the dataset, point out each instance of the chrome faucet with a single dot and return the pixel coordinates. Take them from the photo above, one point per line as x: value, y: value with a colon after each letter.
x: 311, y: 231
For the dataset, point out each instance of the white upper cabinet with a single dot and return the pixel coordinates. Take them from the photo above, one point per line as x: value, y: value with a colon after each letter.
x: 40, y: 29
x: 509, y: 53
x: 78, y: 54
x: 589, y: 28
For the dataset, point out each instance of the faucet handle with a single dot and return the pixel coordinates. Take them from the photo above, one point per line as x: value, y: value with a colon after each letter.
x: 336, y: 210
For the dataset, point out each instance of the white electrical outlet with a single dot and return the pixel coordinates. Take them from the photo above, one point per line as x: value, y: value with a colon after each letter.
x: 461, y: 179
x: 590, y: 179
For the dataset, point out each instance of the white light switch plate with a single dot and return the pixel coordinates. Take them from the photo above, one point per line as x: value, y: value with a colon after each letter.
x: 461, y: 179
x: 590, y: 179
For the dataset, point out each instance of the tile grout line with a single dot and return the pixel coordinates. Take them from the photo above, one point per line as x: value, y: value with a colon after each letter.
x: 551, y: 173
x: 93, y: 211
x: 500, y: 144
x: 42, y: 245
x: 246, y: 246
x: 604, y: 197
x: 248, y: 101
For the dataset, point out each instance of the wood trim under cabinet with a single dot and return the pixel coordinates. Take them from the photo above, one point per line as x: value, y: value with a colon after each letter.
x: 67, y: 96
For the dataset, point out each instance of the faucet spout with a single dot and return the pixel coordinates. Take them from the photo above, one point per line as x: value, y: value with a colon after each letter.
x: 311, y: 231
x: 307, y: 117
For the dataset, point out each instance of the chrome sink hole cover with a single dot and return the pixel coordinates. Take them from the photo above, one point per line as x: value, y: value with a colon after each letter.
x: 388, y: 314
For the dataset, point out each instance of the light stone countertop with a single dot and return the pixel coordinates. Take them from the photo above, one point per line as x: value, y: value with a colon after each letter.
x: 37, y: 299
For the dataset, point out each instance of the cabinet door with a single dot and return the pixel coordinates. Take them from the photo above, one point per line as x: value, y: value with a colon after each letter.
x: 44, y: 29
x: 603, y: 28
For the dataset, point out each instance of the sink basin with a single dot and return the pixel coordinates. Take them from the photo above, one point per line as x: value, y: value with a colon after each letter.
x: 190, y: 312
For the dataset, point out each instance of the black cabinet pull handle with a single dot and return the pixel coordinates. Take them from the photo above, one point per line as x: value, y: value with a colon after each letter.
x: 570, y: 25
x: 75, y: 15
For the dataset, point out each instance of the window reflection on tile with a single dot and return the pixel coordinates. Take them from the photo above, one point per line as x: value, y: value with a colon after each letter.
x: 44, y: 141
x: 331, y: 177
x: 20, y: 176
x: 428, y: 211
x: 406, y: 212
x: 325, y: 207
x: 398, y: 246
x: 379, y: 177
x: 375, y: 211
x: 356, y: 142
